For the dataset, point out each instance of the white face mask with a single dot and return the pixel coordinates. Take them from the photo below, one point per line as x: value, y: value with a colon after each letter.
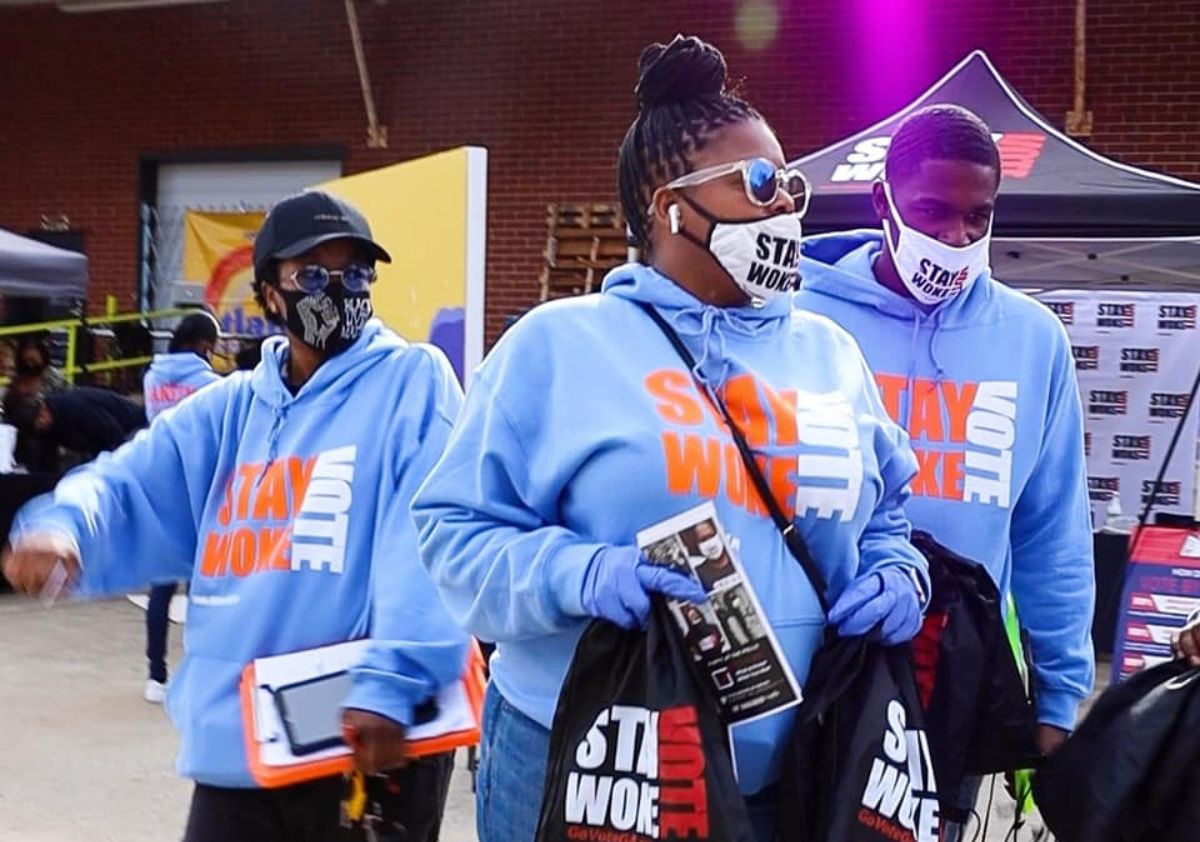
x: 711, y: 548
x: 931, y: 270
x: 761, y: 255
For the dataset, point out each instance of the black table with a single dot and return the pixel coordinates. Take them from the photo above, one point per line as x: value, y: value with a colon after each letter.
x: 1110, y: 551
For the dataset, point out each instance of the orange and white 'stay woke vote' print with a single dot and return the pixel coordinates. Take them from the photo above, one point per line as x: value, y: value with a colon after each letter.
x: 819, y: 469
x: 962, y: 434
x: 289, y: 514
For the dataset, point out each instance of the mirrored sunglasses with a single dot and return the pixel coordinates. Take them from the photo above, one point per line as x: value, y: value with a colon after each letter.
x: 314, y: 278
x: 761, y: 179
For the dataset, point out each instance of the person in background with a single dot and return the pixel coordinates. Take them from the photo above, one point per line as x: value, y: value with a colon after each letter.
x: 84, y: 420
x: 283, y: 495
x: 171, y: 377
x: 33, y: 377
x: 983, y: 379
x: 529, y: 522
x: 249, y: 354
x: 34, y: 373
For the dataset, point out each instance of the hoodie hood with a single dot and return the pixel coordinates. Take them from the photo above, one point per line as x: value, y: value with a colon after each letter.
x: 179, y: 367
x: 173, y: 377
x: 702, y: 325
x: 841, y: 265
x: 332, y: 378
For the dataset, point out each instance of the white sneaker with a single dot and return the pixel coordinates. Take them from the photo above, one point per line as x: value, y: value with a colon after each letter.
x: 155, y: 691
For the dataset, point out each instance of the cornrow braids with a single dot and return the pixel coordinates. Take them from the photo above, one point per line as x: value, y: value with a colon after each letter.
x: 940, y: 133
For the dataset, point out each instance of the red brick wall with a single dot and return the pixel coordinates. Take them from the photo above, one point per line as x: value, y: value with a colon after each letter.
x: 546, y: 86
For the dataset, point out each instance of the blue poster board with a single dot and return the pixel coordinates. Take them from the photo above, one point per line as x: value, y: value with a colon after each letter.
x: 1162, y: 587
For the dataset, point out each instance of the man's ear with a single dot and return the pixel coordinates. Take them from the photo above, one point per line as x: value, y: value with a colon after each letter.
x: 879, y: 201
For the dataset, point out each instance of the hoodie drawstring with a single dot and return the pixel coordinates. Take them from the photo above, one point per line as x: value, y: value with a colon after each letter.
x: 273, y: 441
x: 709, y: 319
x: 937, y: 327
x: 912, y: 369
x: 918, y: 323
x: 273, y: 436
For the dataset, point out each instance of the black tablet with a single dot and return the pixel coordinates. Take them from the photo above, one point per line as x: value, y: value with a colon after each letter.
x: 311, y: 712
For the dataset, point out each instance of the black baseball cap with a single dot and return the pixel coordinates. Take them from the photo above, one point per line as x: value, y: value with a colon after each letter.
x: 300, y: 222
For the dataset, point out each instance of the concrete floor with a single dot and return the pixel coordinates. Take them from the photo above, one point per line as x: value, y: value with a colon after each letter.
x: 83, y: 757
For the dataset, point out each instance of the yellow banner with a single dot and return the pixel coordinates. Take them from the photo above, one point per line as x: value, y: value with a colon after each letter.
x: 218, y: 251
x: 429, y: 214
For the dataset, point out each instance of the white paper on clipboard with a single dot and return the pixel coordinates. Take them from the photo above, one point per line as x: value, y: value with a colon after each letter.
x: 454, y: 709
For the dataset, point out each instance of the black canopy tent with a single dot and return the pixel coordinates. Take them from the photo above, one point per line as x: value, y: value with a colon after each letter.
x: 1065, y: 216
x: 37, y: 270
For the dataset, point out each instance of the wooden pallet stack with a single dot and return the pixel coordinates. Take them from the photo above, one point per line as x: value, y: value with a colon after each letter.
x: 584, y: 242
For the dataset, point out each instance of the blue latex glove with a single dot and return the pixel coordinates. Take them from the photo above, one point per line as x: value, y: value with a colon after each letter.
x: 618, y: 584
x: 887, y: 598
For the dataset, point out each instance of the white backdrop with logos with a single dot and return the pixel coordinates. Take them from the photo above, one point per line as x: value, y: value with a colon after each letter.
x: 1136, y: 355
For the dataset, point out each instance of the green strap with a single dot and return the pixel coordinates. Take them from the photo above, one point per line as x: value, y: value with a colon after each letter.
x: 1022, y: 778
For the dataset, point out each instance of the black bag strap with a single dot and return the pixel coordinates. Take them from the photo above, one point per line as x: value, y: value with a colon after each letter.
x: 793, y: 539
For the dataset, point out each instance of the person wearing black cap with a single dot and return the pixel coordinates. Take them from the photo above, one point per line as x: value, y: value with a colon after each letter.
x: 297, y: 253
x: 283, y: 495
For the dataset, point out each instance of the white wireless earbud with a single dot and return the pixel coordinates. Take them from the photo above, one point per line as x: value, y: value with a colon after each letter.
x: 673, y: 215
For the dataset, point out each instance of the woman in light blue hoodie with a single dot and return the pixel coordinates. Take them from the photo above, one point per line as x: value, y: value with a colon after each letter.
x: 283, y: 495
x: 583, y: 427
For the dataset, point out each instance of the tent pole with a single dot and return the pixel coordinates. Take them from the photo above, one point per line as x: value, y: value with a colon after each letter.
x: 1079, y: 119
x: 1162, y: 469
x: 376, y: 134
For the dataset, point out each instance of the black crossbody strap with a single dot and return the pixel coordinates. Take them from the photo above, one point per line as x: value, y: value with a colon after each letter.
x: 793, y: 539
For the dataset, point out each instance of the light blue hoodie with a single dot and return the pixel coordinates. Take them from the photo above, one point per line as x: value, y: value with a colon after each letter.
x: 583, y: 427
x: 289, y: 513
x: 985, y: 386
x: 173, y: 377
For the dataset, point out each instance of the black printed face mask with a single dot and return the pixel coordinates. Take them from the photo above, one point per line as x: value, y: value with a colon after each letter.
x: 327, y: 321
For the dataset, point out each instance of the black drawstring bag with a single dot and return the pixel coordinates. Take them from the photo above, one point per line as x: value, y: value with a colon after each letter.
x: 637, y: 748
x: 981, y: 721
x: 859, y: 767
x: 1131, y: 772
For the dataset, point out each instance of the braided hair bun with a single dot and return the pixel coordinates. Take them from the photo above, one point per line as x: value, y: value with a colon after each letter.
x: 683, y: 70
x: 683, y: 103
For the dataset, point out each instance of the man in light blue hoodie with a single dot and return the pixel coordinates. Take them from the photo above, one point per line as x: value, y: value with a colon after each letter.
x: 982, y: 378
x: 171, y: 377
x: 283, y: 495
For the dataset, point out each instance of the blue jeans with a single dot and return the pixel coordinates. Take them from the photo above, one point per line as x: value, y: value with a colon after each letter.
x: 512, y: 775
x: 512, y: 772
x: 157, y: 621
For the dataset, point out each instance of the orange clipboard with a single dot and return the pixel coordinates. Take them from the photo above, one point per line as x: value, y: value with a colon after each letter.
x: 271, y: 776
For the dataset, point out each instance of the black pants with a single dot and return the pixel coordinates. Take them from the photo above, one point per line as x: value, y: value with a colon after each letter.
x: 412, y: 799
x: 158, y: 611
